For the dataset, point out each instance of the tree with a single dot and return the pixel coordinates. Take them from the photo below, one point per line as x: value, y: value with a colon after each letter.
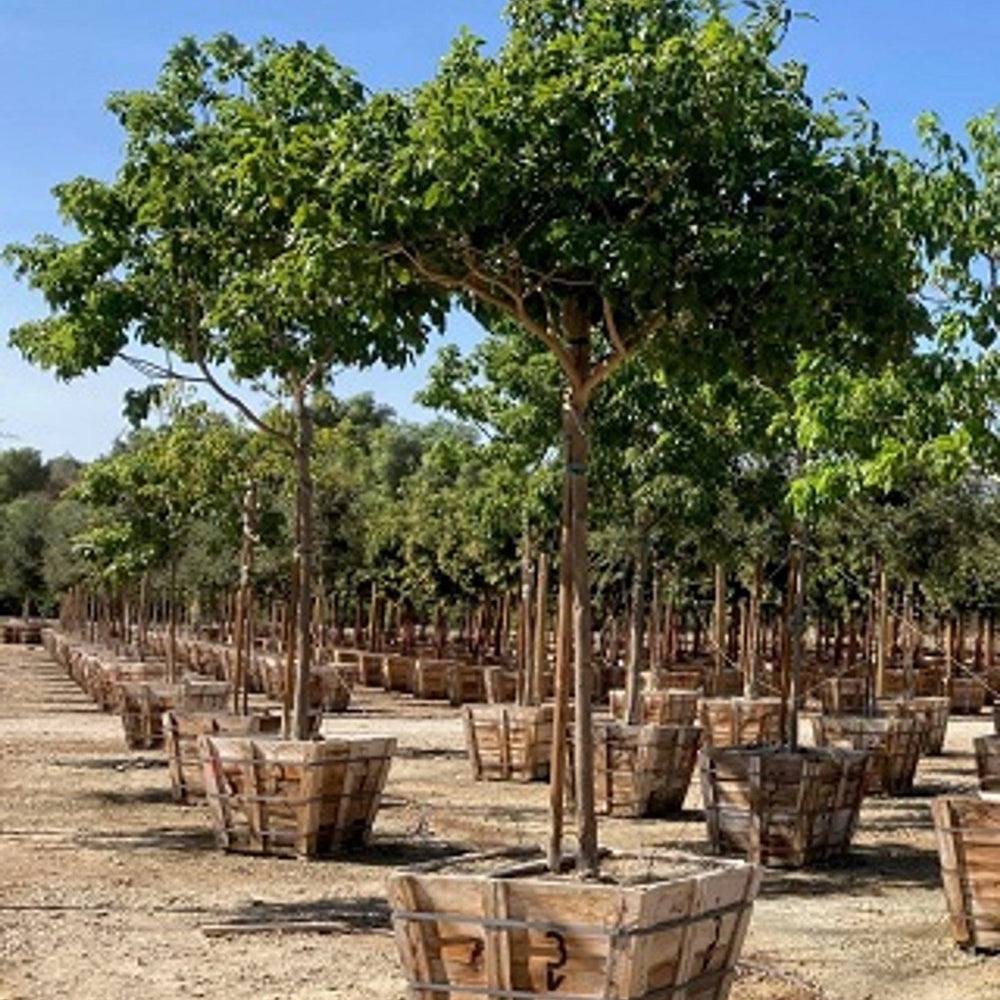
x: 21, y: 471
x: 205, y: 245
x: 633, y: 175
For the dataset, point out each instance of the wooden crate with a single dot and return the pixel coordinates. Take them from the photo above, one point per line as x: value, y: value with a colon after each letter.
x: 468, y: 684
x: 643, y: 770
x: 968, y: 839
x: 334, y: 686
x: 397, y: 673
x: 432, y: 678
x: 142, y: 705
x: 288, y: 797
x: 779, y: 806
x: 664, y: 708
x: 844, y: 695
x: 740, y: 721
x: 934, y: 712
x: 675, y: 678
x: 181, y: 730
x: 370, y: 665
x: 894, y: 744
x: 509, y: 742
x: 725, y: 684
x: 967, y: 694
x: 673, y: 930
x: 987, y: 750
x: 500, y: 684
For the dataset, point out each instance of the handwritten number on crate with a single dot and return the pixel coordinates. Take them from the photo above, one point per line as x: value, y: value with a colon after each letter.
x: 552, y: 979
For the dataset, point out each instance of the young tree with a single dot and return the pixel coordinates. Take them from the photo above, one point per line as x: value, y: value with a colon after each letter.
x: 634, y: 175
x: 203, y: 245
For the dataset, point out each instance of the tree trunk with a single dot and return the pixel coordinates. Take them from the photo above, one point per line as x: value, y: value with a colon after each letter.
x: 637, y: 626
x: 541, y: 629
x: 304, y: 560
x: 882, y: 628
x: 172, y: 623
x: 244, y: 598
x: 796, y: 634
x: 564, y: 641
x: 576, y: 430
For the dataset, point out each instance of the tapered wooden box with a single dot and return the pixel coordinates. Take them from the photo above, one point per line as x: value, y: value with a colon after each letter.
x: 397, y: 673
x: 669, y: 707
x: 432, y: 679
x: 894, y: 744
x: 779, y: 806
x: 934, y: 711
x: 844, y: 695
x: 181, y: 730
x: 967, y: 694
x: 740, y: 721
x: 643, y: 770
x: 290, y: 797
x: 652, y: 927
x: 968, y: 840
x: 987, y: 750
x: 509, y: 742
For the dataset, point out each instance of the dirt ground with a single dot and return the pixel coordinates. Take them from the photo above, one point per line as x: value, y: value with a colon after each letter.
x: 107, y: 887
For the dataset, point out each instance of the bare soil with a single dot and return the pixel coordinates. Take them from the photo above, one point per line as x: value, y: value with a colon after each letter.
x: 109, y: 891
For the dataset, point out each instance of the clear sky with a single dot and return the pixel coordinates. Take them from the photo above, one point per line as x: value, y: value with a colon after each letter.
x: 59, y: 59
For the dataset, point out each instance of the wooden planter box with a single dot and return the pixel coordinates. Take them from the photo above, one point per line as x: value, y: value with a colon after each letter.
x: 509, y: 742
x: 181, y: 730
x: 288, y: 797
x: 500, y: 684
x: 777, y: 806
x: 685, y: 680
x: 740, y: 721
x: 893, y: 743
x: 844, y: 695
x: 665, y: 927
x: 987, y: 750
x: 468, y: 684
x: 664, y: 708
x: 370, y: 669
x: 968, y: 839
x: 643, y: 770
x: 397, y: 673
x: 967, y: 694
x: 142, y: 706
x: 334, y: 686
x: 432, y: 679
x: 934, y: 712
x: 727, y: 684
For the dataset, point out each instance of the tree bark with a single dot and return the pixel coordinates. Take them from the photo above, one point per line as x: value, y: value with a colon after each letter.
x: 560, y: 722
x: 304, y: 559
x: 637, y: 626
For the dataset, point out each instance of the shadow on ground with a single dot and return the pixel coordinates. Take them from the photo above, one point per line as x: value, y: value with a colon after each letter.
x: 354, y: 915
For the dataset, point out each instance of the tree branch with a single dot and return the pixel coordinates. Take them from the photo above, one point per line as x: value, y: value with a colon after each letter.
x: 232, y: 398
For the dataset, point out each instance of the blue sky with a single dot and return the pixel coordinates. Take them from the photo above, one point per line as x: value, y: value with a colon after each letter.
x: 59, y: 59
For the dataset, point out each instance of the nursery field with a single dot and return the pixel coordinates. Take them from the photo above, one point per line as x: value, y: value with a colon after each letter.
x: 109, y: 890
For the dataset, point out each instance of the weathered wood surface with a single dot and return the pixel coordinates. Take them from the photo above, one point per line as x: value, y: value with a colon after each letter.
x: 643, y: 770
x: 968, y: 839
x: 664, y: 707
x: 181, y: 730
x: 777, y: 806
x: 894, y: 744
x: 740, y: 721
x: 305, y: 799
x: 509, y: 742
x: 526, y: 933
